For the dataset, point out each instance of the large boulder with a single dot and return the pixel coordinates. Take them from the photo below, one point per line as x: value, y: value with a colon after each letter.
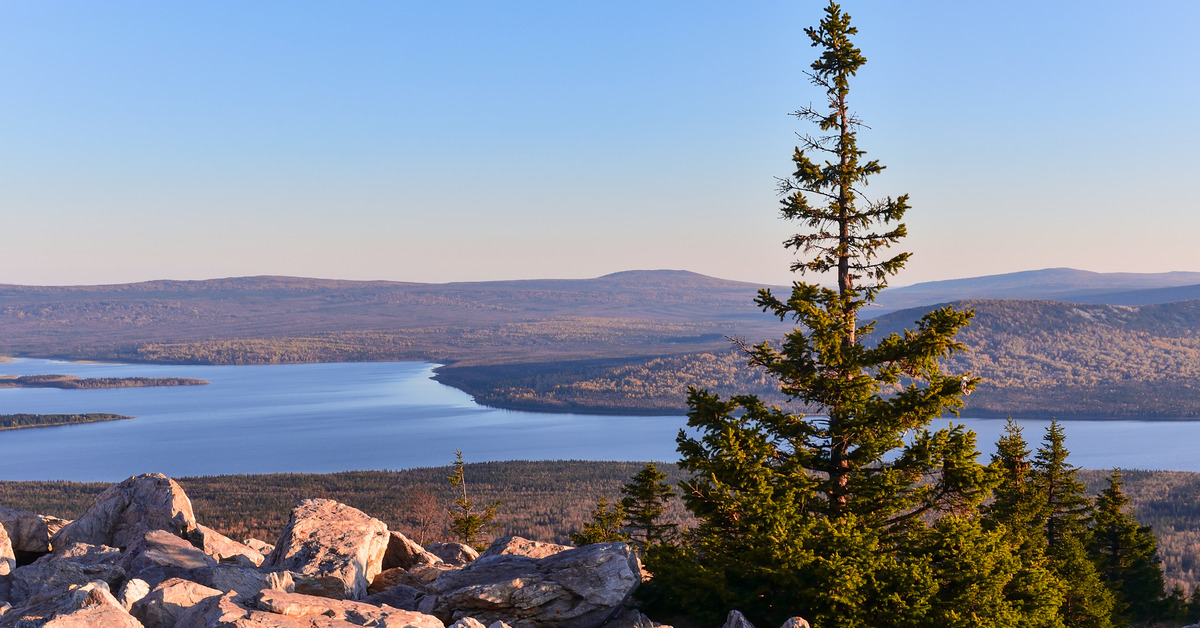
x: 8, y: 560
x: 159, y: 548
x: 580, y: 588
x: 289, y: 610
x: 88, y: 604
x: 356, y: 613
x: 225, y: 549
x: 122, y: 515
x: 163, y: 606
x: 404, y: 553
x: 455, y: 554
x: 52, y: 579
x: 83, y: 554
x: 518, y: 546
x: 327, y: 539
x: 26, y: 531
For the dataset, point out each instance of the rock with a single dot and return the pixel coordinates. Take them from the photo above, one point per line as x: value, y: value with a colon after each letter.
x: 736, y: 619
x: 8, y: 560
x: 246, y: 582
x: 66, y: 605
x: 455, y: 554
x: 468, y: 622
x: 632, y: 618
x: 167, y: 602
x: 133, y: 590
x: 26, y: 531
x: 92, y: 616
x: 327, y: 539
x: 223, y: 612
x: 400, y: 596
x: 51, y: 579
x: 261, y: 547
x: 125, y: 512
x: 518, y: 546
x: 355, y: 613
x: 159, y: 548
x: 404, y: 553
x: 223, y: 548
x: 429, y: 573
x: 84, y: 554
x: 580, y: 588
x: 393, y: 578
x: 795, y: 622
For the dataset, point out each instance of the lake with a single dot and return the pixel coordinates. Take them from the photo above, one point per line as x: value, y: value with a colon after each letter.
x: 390, y: 415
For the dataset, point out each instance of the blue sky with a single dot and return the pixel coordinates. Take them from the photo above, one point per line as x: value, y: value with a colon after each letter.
x: 476, y: 141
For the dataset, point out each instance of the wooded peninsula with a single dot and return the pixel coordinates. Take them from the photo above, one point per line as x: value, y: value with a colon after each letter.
x: 72, y: 382
x: 22, y: 421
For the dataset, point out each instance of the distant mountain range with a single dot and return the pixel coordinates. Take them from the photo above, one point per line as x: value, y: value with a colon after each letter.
x: 1052, y: 284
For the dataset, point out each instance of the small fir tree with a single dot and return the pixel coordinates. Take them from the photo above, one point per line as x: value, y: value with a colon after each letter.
x: 467, y: 522
x: 606, y: 526
x: 646, y: 496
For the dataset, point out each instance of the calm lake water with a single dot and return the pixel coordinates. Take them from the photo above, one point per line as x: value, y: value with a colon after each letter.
x: 390, y: 415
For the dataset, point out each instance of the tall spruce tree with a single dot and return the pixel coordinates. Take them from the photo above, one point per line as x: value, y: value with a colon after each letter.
x: 858, y: 515
x: 1126, y: 555
x: 1087, y: 602
x: 1018, y: 509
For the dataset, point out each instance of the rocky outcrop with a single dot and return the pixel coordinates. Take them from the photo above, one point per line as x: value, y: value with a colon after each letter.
x: 122, y: 515
x: 141, y: 538
x: 581, y: 588
x: 332, y: 540
x: 517, y: 546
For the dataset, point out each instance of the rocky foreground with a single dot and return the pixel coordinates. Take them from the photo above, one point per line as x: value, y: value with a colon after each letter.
x: 138, y: 558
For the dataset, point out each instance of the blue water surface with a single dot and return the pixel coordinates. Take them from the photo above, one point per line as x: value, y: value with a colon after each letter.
x: 392, y: 415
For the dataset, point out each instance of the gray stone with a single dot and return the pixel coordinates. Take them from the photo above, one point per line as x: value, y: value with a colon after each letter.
x: 133, y: 590
x: 26, y: 531
x: 404, y: 553
x: 395, y: 577
x: 93, y: 616
x: 84, y: 554
x: 8, y: 560
x: 580, y: 588
x: 125, y: 512
x: 51, y: 579
x: 519, y: 546
x: 455, y: 554
x: 736, y: 619
x: 167, y: 602
x: 262, y: 547
x: 326, y: 539
x: 400, y: 596
x: 468, y: 622
x: 159, y: 548
x: 354, y: 613
x: 223, y: 548
x: 795, y: 622
x: 65, y: 604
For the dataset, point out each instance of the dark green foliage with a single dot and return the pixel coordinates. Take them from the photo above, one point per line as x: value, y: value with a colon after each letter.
x: 1087, y: 602
x: 862, y: 517
x: 1126, y: 555
x: 467, y: 522
x: 606, y: 526
x: 645, y: 501
x: 18, y: 421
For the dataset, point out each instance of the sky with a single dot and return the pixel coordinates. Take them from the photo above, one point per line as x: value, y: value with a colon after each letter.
x: 469, y: 141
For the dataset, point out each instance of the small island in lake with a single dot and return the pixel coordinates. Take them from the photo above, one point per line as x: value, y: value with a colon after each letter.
x: 72, y: 382
x: 20, y: 421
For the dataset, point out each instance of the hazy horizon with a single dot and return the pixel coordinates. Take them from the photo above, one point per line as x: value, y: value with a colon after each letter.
x: 479, y: 142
